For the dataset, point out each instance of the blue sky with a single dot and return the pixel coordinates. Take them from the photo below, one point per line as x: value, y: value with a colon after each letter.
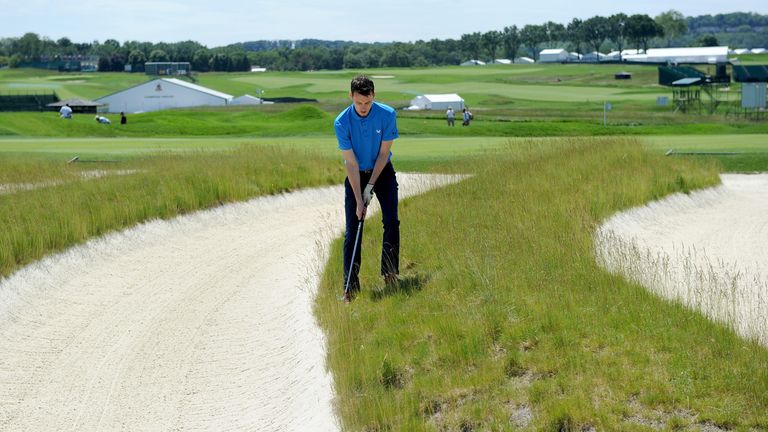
x: 216, y: 23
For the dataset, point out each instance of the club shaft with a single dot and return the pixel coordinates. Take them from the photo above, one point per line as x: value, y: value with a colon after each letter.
x: 352, y: 260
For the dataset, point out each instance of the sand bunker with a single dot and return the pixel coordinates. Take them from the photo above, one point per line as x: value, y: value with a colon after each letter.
x: 199, y: 323
x: 707, y: 250
x: 9, y: 188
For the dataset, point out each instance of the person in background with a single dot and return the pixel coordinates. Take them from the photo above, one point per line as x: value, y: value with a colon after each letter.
x: 123, y: 118
x: 65, y: 112
x: 103, y: 120
x: 450, y: 116
x: 465, y: 117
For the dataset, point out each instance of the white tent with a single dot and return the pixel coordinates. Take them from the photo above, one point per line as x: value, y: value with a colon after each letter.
x: 248, y: 100
x: 524, y: 60
x: 473, y: 63
x: 595, y: 56
x: 710, y: 55
x: 163, y: 93
x: 437, y: 102
x: 740, y: 51
x: 555, y: 55
x: 502, y: 61
x: 758, y: 50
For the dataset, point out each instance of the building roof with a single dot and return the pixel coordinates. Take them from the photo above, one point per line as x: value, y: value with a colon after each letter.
x: 553, y: 51
x: 178, y: 82
x: 196, y: 87
x: 75, y: 103
x: 688, y: 51
x: 248, y: 100
x: 449, y: 97
x: 685, y: 82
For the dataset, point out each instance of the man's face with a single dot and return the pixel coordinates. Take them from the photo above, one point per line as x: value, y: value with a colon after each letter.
x: 362, y: 103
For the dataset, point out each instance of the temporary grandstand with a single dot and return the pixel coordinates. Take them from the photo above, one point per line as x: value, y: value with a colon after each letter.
x: 79, y: 106
x: 689, y: 84
x: 26, y: 101
x: 167, y: 68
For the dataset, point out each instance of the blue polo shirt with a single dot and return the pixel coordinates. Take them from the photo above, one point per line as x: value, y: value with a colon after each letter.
x: 364, y: 135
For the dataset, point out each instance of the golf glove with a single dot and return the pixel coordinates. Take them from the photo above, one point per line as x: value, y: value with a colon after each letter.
x: 367, y: 194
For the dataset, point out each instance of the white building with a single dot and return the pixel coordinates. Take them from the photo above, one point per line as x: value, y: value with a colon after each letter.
x: 689, y: 55
x: 595, y: 56
x: 248, y: 100
x: 437, y: 102
x: 524, y: 60
x: 163, y: 93
x: 554, y: 55
x: 709, y: 55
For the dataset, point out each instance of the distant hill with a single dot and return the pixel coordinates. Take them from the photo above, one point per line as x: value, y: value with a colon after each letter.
x: 737, y: 30
x: 268, y: 45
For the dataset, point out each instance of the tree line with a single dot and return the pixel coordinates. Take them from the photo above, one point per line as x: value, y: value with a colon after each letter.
x: 598, y: 33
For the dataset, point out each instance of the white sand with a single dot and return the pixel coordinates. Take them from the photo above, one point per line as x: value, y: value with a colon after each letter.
x: 708, y: 249
x: 200, y: 323
x: 9, y: 188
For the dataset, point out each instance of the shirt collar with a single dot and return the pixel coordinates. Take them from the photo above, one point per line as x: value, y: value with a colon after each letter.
x: 358, y: 116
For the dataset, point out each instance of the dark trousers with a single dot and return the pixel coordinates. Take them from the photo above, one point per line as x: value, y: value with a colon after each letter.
x: 385, y: 190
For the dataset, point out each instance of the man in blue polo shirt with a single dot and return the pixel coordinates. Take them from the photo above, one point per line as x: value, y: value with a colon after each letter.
x: 365, y: 132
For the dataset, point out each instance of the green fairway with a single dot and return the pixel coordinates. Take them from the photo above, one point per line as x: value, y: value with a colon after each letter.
x: 66, y: 85
x: 499, y: 93
x: 566, y: 83
x: 711, y: 143
x: 555, y: 82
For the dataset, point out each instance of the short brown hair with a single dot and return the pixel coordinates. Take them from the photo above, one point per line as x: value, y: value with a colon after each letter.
x: 362, y: 84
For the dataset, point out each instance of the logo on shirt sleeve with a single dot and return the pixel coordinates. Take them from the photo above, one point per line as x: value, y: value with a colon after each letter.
x: 378, y: 131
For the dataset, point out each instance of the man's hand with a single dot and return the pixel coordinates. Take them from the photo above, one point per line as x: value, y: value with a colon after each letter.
x: 367, y: 194
x: 360, y: 210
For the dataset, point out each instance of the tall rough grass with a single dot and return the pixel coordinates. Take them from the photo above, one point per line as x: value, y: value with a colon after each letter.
x: 72, y: 208
x: 504, y: 320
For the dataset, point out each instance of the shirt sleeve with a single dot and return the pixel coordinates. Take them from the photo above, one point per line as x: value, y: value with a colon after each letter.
x: 342, y: 136
x: 390, y: 131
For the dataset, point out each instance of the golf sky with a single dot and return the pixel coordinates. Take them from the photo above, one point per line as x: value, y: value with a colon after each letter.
x: 217, y: 23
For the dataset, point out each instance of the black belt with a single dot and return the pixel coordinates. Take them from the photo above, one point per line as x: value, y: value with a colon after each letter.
x: 370, y: 171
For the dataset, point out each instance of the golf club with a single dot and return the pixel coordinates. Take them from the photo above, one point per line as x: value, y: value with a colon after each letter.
x: 352, y: 261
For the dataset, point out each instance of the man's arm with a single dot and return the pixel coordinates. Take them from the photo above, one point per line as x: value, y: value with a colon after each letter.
x: 381, y: 160
x: 353, y: 174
